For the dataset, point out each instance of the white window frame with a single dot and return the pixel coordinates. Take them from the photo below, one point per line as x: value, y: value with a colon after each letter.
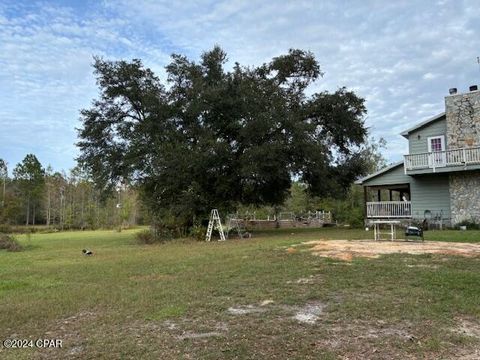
x: 436, y: 158
x: 442, y: 141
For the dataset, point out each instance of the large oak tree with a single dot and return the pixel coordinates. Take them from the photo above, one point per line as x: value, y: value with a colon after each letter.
x: 211, y: 138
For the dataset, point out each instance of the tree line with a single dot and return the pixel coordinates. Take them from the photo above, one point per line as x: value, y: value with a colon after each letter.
x: 204, y: 137
x: 35, y: 195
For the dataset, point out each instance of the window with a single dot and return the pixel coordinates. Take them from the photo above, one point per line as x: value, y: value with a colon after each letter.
x: 436, y: 148
x: 436, y: 143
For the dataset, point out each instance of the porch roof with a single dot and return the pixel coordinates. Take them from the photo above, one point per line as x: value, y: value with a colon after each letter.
x: 378, y: 173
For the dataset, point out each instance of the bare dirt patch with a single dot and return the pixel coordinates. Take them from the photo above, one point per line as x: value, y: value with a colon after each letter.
x: 245, y: 309
x: 468, y: 328
x: 309, y: 314
x: 250, y: 308
x: 348, y: 249
x: 424, y: 266
x: 193, y: 335
x: 307, y: 280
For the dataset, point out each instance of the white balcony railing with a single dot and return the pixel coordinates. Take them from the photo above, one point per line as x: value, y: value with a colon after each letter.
x: 433, y: 160
x: 389, y: 209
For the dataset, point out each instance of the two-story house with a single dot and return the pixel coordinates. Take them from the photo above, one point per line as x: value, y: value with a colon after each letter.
x: 439, y: 179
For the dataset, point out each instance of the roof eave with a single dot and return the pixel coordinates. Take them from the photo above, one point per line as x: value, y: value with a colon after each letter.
x: 422, y: 124
x: 380, y: 172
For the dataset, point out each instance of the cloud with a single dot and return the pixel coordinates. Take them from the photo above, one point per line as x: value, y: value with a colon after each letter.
x: 46, y: 76
x: 401, y: 56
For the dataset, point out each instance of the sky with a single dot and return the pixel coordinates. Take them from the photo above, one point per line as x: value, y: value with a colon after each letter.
x: 401, y: 56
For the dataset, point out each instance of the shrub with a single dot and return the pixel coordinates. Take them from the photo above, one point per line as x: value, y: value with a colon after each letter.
x: 470, y: 224
x: 145, y: 237
x: 9, y: 243
x: 197, y: 232
x: 5, y: 228
x: 154, y: 235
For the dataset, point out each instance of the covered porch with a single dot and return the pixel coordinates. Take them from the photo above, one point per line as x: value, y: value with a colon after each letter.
x: 387, y: 202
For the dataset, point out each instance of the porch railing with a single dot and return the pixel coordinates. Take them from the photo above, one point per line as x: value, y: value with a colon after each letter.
x: 389, y: 209
x: 433, y: 160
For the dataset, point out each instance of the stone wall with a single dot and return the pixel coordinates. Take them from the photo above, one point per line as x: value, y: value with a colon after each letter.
x: 463, y: 120
x: 465, y: 196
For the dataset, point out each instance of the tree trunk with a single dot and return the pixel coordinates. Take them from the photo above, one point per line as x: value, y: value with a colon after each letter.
x: 28, y: 212
x: 82, y: 225
x: 97, y: 211
x: 61, y: 211
x: 48, y: 208
x: 4, y: 186
x: 33, y: 214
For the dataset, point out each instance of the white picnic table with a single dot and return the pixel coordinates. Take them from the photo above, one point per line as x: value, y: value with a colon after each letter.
x: 377, y: 231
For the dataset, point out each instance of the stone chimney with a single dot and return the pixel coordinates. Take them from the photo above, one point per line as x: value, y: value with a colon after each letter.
x: 463, y: 131
x: 463, y: 119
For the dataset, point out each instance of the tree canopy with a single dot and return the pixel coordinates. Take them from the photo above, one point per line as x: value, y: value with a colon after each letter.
x: 30, y: 177
x: 208, y: 137
x: 3, y: 167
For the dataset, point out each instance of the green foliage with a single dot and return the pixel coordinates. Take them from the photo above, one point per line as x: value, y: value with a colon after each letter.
x: 3, y: 176
x: 5, y: 228
x: 146, y: 237
x: 216, y: 138
x: 3, y: 168
x: 29, y: 175
x: 374, y: 160
x: 299, y: 200
x: 59, y: 201
x: 9, y: 243
x: 470, y: 224
x: 347, y: 210
x: 159, y: 233
x: 259, y: 212
x: 198, y: 232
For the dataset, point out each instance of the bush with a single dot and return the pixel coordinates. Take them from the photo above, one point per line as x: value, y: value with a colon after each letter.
x: 145, y: 237
x: 154, y: 235
x: 9, y: 243
x: 470, y: 224
x: 5, y: 228
x: 198, y: 232
x: 19, y: 229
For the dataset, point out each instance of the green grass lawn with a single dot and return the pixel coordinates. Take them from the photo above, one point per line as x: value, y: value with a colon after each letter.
x: 197, y: 300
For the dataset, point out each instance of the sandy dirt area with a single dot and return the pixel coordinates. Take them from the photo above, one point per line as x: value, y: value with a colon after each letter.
x: 348, y: 249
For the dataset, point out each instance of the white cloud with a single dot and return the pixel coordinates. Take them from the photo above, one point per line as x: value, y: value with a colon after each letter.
x: 401, y: 56
x: 429, y: 76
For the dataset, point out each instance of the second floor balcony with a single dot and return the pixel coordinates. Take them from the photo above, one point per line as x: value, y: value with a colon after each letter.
x: 443, y: 161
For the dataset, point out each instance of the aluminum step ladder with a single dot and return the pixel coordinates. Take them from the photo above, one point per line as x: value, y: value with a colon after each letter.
x: 214, y: 223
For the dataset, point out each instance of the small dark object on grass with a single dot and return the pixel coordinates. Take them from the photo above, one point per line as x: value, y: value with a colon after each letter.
x: 9, y: 243
x: 87, y: 252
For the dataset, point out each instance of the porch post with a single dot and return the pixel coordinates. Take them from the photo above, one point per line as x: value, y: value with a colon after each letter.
x: 379, y: 195
x: 365, y: 198
x: 390, y: 193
